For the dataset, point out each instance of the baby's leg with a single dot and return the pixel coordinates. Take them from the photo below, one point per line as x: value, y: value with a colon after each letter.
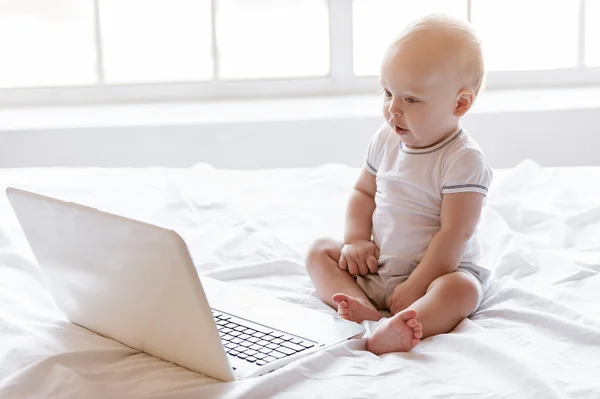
x: 449, y: 299
x: 337, y: 287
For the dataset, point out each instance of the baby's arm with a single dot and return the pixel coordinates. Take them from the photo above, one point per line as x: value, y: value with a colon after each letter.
x: 358, y: 228
x: 459, y: 217
x: 360, y: 209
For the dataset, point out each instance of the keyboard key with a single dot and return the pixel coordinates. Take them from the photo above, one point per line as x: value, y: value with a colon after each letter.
x: 226, y: 330
x: 276, y: 334
x: 307, y: 344
x: 268, y: 338
x: 239, y: 328
x: 242, y: 355
x: 246, y: 344
x: 296, y: 341
x: 251, y: 352
x: 260, y: 356
x: 260, y: 363
x: 253, y: 339
x: 224, y: 317
x: 272, y: 346
x: 294, y: 347
x: 262, y: 343
x: 262, y: 329
x: 277, y: 341
x: 249, y: 331
x: 236, y: 341
x: 284, y: 350
x: 233, y: 352
x: 265, y: 350
x: 230, y: 325
x: 244, y: 336
x: 256, y: 347
x: 287, y: 337
x: 230, y: 346
x: 234, y: 333
x: 258, y: 334
x: 222, y: 322
x: 227, y: 337
x: 269, y: 359
x: 276, y: 355
x: 251, y: 359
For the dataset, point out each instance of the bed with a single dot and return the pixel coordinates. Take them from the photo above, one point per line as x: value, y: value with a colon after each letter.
x: 536, y: 335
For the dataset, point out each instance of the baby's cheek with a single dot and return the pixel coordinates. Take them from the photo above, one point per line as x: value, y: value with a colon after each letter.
x: 386, y: 112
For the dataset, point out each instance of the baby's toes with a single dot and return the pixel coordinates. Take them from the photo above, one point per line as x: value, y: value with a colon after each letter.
x: 343, y: 313
x: 418, y: 334
x: 412, y: 323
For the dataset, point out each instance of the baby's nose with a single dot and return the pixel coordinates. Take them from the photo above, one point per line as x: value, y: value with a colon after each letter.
x: 395, y: 108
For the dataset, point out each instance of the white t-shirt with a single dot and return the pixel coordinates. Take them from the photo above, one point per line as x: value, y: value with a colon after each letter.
x: 410, y: 185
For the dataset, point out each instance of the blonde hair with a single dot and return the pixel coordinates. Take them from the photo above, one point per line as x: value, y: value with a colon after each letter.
x: 453, y: 35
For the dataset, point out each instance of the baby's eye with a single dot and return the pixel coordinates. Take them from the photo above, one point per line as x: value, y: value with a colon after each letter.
x: 386, y: 93
x: 411, y: 100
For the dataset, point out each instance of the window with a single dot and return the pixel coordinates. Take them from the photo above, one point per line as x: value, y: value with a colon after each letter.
x: 538, y: 36
x: 57, y: 51
x: 377, y: 22
x: 170, y: 40
x: 47, y: 43
x: 592, y: 33
x: 272, y: 38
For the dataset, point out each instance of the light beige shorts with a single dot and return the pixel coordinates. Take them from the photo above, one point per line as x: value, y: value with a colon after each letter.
x: 393, y: 271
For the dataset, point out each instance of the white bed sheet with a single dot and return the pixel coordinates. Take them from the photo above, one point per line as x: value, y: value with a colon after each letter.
x: 536, y: 335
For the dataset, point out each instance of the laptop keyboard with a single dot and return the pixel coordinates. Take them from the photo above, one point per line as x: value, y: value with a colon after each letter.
x: 255, y: 343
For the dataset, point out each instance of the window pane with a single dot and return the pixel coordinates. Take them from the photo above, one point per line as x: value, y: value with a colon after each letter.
x: 377, y: 22
x: 273, y: 38
x: 46, y: 43
x: 527, y: 35
x: 156, y: 40
x: 592, y: 37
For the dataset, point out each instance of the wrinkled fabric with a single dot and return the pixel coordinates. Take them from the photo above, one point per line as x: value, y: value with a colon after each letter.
x: 536, y: 334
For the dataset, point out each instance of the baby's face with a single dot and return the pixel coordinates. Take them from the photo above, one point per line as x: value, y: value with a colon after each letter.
x: 420, y: 94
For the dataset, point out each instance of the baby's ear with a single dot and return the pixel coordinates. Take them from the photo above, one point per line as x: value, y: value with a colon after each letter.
x: 464, y: 101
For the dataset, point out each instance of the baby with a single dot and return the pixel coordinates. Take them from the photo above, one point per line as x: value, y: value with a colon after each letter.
x: 410, y: 242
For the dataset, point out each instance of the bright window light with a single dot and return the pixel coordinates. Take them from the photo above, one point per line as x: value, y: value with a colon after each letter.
x: 592, y: 37
x: 527, y: 35
x: 47, y: 43
x: 156, y: 40
x: 72, y: 51
x: 272, y: 38
x: 377, y: 22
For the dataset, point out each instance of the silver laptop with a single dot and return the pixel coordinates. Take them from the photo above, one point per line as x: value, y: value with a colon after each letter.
x: 135, y: 283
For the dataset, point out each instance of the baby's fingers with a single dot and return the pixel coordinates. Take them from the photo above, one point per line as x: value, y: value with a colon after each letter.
x: 372, y: 263
x: 343, y: 264
x: 352, y: 267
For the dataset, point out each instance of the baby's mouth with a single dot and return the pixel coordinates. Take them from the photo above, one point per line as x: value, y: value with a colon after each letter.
x: 400, y: 130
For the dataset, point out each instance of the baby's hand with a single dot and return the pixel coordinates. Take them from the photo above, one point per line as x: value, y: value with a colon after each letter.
x: 359, y: 257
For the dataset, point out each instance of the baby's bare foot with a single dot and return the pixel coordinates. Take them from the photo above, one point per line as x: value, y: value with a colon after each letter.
x: 355, y: 309
x: 399, y: 333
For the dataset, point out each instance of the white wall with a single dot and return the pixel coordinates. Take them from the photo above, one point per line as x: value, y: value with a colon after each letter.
x: 563, y: 136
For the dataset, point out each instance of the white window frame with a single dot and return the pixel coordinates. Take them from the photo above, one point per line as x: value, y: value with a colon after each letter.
x: 341, y: 79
